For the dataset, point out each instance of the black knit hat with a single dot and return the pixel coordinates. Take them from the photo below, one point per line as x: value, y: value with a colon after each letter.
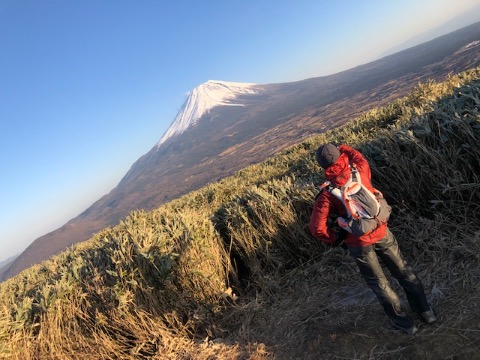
x: 326, y: 155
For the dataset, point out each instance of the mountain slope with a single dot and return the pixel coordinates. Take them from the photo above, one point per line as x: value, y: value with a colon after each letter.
x: 209, y: 142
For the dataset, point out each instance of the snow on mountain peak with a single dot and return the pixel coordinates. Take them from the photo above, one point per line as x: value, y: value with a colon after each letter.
x: 202, y: 99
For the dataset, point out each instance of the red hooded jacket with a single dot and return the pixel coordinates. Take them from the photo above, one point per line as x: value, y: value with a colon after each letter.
x: 327, y: 205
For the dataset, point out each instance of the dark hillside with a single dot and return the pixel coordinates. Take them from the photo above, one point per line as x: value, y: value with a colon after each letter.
x: 231, y: 272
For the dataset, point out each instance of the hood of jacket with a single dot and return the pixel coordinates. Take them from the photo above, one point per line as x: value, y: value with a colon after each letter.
x: 339, y: 172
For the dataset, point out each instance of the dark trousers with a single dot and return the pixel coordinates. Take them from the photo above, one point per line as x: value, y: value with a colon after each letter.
x: 367, y: 259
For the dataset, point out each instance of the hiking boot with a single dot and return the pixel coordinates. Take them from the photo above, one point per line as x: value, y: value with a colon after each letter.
x: 409, y: 330
x: 428, y: 316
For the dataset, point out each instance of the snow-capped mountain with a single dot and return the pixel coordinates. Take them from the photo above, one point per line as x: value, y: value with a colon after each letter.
x: 203, y: 98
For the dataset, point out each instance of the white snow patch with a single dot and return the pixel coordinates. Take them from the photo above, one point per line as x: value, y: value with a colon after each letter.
x: 202, y: 99
x: 469, y: 46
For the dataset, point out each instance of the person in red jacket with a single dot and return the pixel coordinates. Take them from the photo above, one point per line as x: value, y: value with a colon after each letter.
x: 367, y: 249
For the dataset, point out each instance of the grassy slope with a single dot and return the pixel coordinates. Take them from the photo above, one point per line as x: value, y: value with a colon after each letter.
x: 230, y: 271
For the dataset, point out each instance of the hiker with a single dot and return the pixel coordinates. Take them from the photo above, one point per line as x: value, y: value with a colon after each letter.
x: 339, y: 165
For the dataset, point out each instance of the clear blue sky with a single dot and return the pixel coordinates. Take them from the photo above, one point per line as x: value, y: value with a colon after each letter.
x: 87, y: 87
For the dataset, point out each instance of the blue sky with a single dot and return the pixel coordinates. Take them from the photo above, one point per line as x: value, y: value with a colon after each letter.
x: 87, y: 87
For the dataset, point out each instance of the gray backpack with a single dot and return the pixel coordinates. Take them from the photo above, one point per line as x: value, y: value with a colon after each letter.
x: 365, y: 210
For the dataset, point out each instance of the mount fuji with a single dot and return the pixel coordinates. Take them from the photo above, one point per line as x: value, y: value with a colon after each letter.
x: 202, y: 99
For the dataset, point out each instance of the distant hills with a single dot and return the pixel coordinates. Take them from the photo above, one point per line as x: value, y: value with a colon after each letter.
x: 470, y: 16
x: 247, y: 127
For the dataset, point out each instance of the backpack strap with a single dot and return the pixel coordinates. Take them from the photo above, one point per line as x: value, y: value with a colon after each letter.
x: 354, y: 174
x: 337, y: 192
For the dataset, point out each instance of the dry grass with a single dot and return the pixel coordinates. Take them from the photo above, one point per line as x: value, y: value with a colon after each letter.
x: 231, y: 272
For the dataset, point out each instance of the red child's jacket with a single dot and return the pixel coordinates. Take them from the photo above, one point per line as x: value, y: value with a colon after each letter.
x: 327, y: 205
